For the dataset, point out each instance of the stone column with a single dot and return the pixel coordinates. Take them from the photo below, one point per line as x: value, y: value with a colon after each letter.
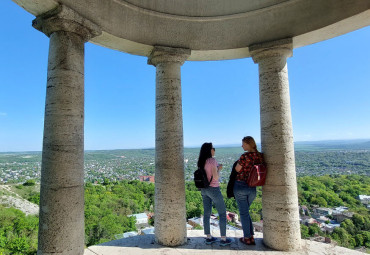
x: 61, y: 226
x: 281, y: 229
x: 170, y: 209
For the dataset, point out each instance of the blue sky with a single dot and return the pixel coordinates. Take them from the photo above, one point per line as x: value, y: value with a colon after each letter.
x: 329, y: 90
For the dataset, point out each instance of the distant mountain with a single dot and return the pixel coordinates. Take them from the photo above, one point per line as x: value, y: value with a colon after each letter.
x: 360, y: 144
x: 357, y: 144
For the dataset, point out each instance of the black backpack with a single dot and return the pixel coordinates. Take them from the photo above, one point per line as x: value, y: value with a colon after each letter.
x: 200, y: 178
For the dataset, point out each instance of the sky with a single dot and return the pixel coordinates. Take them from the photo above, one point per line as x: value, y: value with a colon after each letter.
x: 329, y: 91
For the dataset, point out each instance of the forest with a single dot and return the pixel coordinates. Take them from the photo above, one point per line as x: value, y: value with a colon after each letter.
x: 108, y: 204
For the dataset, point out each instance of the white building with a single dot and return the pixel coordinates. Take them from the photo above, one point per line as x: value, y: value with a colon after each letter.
x: 364, y: 199
x: 141, y: 218
x: 329, y: 228
x: 340, y: 209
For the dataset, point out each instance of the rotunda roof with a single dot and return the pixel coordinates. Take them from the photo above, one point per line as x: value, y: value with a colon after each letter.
x: 212, y: 29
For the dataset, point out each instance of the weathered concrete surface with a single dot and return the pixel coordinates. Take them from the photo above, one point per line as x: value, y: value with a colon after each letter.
x: 170, y: 209
x: 212, y: 29
x: 279, y: 195
x: 145, y: 245
x: 61, y: 226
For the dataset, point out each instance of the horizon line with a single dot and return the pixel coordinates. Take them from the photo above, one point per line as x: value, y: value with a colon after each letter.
x: 198, y: 146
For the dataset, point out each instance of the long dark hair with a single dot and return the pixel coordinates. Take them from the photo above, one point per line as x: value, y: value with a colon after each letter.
x: 204, y: 154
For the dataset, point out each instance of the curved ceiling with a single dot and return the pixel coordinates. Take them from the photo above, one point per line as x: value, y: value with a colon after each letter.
x: 203, y: 8
x: 212, y: 29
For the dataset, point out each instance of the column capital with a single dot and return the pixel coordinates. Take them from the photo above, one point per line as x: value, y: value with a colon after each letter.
x: 161, y: 54
x: 65, y: 19
x: 279, y: 48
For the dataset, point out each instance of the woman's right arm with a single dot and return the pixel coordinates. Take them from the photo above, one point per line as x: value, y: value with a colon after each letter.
x: 238, y: 168
x: 215, y: 173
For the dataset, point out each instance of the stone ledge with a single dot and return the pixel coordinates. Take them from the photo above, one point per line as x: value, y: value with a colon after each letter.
x: 144, y: 245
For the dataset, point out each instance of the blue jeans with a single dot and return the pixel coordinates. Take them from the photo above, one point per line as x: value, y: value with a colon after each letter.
x: 209, y: 195
x: 244, y: 196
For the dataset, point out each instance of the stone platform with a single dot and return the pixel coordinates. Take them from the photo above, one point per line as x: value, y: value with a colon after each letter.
x: 145, y: 245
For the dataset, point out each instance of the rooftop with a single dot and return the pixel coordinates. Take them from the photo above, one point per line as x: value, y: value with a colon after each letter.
x: 145, y: 245
x: 140, y: 216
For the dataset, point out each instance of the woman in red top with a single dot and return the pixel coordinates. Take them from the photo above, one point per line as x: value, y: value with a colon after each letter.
x: 244, y: 195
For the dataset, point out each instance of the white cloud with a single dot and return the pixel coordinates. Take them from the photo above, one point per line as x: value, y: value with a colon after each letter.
x: 3, y: 114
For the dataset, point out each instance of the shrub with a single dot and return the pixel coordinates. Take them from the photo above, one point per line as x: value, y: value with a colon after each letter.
x: 29, y: 183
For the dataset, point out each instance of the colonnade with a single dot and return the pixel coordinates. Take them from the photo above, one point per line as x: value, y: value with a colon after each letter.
x: 61, y: 227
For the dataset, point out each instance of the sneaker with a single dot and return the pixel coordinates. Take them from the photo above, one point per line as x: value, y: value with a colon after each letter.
x: 228, y: 241
x: 211, y: 240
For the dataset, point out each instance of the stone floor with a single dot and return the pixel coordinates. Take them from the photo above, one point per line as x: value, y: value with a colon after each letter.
x: 145, y: 245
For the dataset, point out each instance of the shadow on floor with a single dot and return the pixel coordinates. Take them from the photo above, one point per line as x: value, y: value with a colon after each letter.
x: 198, y: 243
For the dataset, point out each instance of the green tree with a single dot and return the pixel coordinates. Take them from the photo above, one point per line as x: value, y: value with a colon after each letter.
x: 348, y: 226
x: 255, y: 217
x: 366, y: 237
x: 304, y: 231
x: 18, y: 232
x: 106, y: 182
x: 314, y: 229
x: 359, y: 221
x: 321, y: 202
x: 359, y: 240
x: 19, y: 245
x: 343, y: 238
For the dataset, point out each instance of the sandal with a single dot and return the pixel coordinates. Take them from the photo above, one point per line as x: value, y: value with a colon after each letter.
x: 252, y: 241
x: 243, y: 240
x: 247, y: 241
